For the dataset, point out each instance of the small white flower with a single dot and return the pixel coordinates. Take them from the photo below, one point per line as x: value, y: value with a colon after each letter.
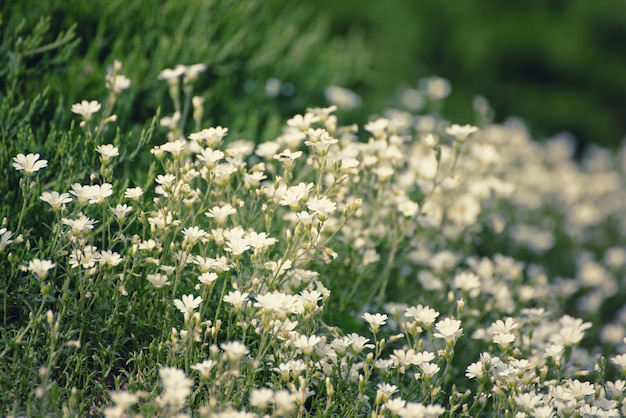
x: 211, y: 136
x: 133, y: 193
x: 322, y: 207
x: 194, y: 234
x: 236, y: 298
x: 260, y: 398
x: 86, y: 109
x: 79, y: 226
x: 55, y: 199
x: 110, y: 258
x: 449, y: 329
x: 234, y: 350
x: 30, y: 163
x: 40, y: 267
x: 5, y: 238
x: 205, y: 367
x: 188, y: 303
x: 120, y: 211
x: 100, y: 192
x: 461, y: 132
x: 375, y: 321
x: 342, y: 97
x: 220, y: 213
x: 107, y: 152
x: 158, y: 280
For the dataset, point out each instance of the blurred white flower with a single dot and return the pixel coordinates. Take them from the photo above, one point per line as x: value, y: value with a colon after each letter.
x: 40, y: 267
x: 342, y: 97
x: 234, y: 350
x: 86, y: 109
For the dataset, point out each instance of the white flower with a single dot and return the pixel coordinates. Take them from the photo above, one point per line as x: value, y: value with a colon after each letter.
x: 100, y: 192
x: 429, y: 369
x: 436, y: 88
x: 237, y: 245
x: 158, y: 280
x: 110, y: 258
x: 30, y: 163
x: 207, y: 278
x: 422, y: 314
x: 176, y: 386
x: 87, y: 257
x: 322, y: 207
x: 306, y: 344
x: 449, y: 329
x: 79, y: 226
x: 461, y: 132
x: 375, y: 321
x: 359, y: 343
x: 133, y: 193
x: 259, y: 241
x: 467, y: 282
x: 261, y: 397
x: 120, y: 211
x: 171, y: 75
x: 176, y: 148
x: 86, y: 109
x: 211, y: 136
x: 503, y: 339
x: 210, y: 157
x: 5, y: 238
x: 107, y: 152
x: 188, y: 303
x: 236, y: 298
x: 295, y: 194
x: 287, y: 157
x: 620, y: 361
x: 384, y: 392
x: 205, y: 367
x: 234, y: 350
x: 83, y: 193
x: 301, y: 122
x: 395, y: 405
x: 342, y: 97
x: 40, y: 267
x: 118, y: 83
x: 194, y: 234
x: 475, y: 370
x: 55, y: 199
x: 220, y: 213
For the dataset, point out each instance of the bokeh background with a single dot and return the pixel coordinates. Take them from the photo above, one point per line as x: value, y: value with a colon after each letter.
x: 560, y: 65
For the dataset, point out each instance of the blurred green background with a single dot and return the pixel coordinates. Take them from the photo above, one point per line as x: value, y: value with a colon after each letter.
x: 558, y: 64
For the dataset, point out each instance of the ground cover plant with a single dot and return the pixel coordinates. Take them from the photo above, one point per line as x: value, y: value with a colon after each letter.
x: 405, y: 266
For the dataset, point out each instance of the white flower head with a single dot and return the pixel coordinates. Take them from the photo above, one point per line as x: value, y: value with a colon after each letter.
x: 449, y: 329
x: 40, y: 267
x: 188, y: 304
x: 55, y: 200
x: 461, y: 133
x: 375, y: 321
x: 86, y: 109
x: 234, y: 350
x: 29, y: 164
x: 107, y: 152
